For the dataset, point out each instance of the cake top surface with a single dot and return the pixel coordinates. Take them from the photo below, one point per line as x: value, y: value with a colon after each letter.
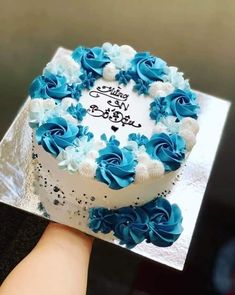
x: 113, y: 114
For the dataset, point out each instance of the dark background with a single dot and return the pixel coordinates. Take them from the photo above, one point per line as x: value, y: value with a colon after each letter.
x: 196, y: 36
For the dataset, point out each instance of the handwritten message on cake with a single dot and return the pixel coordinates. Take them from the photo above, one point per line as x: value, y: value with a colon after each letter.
x: 116, y: 110
x: 117, y: 107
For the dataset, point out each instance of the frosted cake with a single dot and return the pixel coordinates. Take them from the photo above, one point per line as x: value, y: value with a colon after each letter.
x: 112, y: 128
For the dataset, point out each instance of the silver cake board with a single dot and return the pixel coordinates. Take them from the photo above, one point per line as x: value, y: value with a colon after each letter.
x: 17, y: 174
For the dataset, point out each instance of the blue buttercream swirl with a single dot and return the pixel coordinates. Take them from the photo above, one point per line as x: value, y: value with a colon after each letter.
x: 101, y: 219
x: 148, y: 68
x: 56, y: 134
x: 182, y: 104
x: 53, y: 86
x: 165, y: 222
x: 131, y: 226
x: 169, y: 149
x: 92, y: 59
x: 158, y: 222
x: 115, y: 166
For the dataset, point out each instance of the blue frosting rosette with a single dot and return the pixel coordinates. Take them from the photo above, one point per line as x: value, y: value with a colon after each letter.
x: 157, y: 222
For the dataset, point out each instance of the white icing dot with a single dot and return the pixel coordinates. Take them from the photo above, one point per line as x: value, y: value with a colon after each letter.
x: 67, y: 102
x: 99, y: 144
x: 65, y: 65
x: 189, y: 137
x: 88, y: 168
x: 106, y: 46
x: 160, y: 89
x: 109, y: 72
x: 156, y: 168
x: 128, y: 51
x: 70, y: 118
x: 159, y: 128
x: 93, y: 154
x: 190, y: 124
x: 143, y: 158
x: 49, y: 103
x: 141, y: 173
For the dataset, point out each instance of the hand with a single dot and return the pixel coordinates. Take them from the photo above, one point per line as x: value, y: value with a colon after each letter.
x: 57, y: 265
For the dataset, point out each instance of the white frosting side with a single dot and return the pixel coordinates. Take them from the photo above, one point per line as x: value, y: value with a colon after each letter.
x: 142, y: 191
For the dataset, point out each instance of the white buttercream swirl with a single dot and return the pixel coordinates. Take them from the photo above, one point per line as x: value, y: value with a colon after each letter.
x: 176, y: 79
x: 120, y: 56
x: 38, y: 109
x: 109, y: 72
x: 160, y: 89
x: 66, y: 66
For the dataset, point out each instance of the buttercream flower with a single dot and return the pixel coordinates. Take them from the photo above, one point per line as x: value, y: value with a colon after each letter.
x: 176, y: 78
x: 53, y: 86
x: 160, y: 89
x: 123, y: 77
x: 169, y: 149
x: 88, y: 80
x: 158, y: 109
x: 131, y: 226
x: 56, y: 134
x: 148, y: 68
x: 39, y: 109
x: 64, y: 64
x: 101, y: 219
x: 69, y: 159
x: 182, y: 104
x: 110, y: 72
x: 92, y: 59
x: 77, y: 111
x: 87, y: 168
x: 141, y: 173
x: 120, y: 56
x: 165, y: 222
x: 115, y: 166
x: 141, y: 87
x: 138, y: 138
x: 84, y: 131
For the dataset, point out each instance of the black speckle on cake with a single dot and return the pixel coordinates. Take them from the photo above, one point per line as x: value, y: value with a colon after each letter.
x: 56, y: 189
x: 56, y: 202
x: 34, y: 156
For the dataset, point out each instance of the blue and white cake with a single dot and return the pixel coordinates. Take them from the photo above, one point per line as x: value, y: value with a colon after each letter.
x: 112, y: 127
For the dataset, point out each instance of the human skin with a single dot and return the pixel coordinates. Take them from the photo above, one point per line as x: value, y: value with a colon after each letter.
x: 58, y: 265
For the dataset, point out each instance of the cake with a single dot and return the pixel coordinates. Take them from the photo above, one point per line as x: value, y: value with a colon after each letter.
x: 112, y: 128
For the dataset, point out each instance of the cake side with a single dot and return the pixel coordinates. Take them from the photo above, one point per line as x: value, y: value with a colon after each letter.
x: 77, y: 189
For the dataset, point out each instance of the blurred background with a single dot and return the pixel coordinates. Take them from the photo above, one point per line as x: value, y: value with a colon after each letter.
x: 196, y: 36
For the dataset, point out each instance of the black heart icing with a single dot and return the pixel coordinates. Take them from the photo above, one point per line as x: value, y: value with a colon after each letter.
x: 114, y: 128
